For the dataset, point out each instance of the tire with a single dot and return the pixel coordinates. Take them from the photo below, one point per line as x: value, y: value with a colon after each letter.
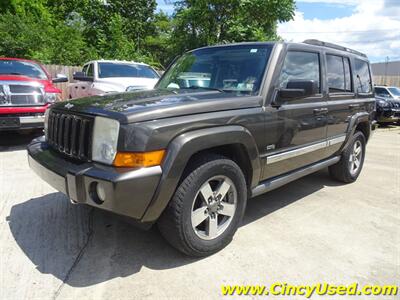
x: 221, y: 216
x: 345, y: 170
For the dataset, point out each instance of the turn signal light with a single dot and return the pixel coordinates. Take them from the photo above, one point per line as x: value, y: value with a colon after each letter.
x: 139, y: 159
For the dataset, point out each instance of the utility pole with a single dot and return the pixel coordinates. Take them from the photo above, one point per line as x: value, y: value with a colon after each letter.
x: 386, y: 67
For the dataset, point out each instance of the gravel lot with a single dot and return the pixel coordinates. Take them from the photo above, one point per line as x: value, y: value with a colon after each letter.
x: 312, y: 230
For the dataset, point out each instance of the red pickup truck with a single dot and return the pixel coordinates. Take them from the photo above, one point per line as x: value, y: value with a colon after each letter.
x: 26, y: 90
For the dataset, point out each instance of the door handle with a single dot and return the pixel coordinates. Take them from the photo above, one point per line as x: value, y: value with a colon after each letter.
x: 320, y: 111
x: 354, y: 106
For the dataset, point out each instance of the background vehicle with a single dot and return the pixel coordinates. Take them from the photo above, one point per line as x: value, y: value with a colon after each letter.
x: 387, y: 104
x: 107, y: 76
x: 189, y: 157
x: 26, y: 90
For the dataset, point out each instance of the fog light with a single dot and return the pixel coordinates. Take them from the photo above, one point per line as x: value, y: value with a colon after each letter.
x: 101, y: 192
x: 97, y: 192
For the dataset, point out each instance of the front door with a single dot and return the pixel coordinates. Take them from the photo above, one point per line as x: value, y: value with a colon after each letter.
x: 299, y: 136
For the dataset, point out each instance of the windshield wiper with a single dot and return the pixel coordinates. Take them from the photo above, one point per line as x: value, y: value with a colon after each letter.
x: 195, y: 87
x: 11, y: 73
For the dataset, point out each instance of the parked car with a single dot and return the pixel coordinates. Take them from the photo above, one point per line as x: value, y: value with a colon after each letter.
x: 26, y: 91
x: 100, y: 77
x: 189, y: 157
x: 387, y: 104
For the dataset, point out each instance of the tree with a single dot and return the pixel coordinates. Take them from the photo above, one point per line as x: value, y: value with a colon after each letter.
x: 205, y: 22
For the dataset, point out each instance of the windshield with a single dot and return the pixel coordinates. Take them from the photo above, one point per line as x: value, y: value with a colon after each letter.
x: 227, y: 68
x: 109, y: 69
x: 25, y: 68
x: 395, y: 91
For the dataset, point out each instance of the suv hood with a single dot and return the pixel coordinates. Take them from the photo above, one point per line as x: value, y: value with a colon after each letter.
x: 156, y: 104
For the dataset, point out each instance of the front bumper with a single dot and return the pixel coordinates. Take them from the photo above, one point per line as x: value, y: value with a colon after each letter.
x: 23, y: 122
x: 128, y: 191
x: 388, y: 115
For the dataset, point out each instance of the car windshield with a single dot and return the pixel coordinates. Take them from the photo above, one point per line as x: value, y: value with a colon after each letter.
x: 109, y: 69
x: 237, y: 68
x: 25, y: 68
x: 395, y: 91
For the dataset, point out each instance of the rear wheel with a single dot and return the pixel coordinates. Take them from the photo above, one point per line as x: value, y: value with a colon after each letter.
x: 350, y: 165
x: 207, y: 207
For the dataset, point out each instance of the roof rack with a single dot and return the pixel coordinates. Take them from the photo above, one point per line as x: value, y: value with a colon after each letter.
x: 333, y: 46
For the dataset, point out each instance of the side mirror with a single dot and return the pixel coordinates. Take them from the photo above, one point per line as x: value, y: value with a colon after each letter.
x: 81, y: 76
x: 296, y: 89
x: 60, y: 78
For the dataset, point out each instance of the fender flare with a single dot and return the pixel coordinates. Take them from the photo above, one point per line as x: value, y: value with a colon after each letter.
x: 184, y: 146
x: 361, y: 117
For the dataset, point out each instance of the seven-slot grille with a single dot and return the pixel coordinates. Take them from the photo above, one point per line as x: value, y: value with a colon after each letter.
x: 70, y: 134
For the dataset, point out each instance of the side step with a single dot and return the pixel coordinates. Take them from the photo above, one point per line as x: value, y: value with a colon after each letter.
x: 271, y: 184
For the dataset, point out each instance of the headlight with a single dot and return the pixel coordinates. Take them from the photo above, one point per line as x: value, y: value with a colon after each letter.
x: 46, y: 121
x: 383, y: 103
x: 52, y: 97
x: 105, y: 138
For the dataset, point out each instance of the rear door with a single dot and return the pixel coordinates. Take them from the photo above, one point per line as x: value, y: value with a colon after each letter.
x: 346, y: 83
x: 341, y: 98
x: 300, y: 133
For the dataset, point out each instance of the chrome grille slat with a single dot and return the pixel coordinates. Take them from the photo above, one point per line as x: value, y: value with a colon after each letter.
x: 70, y: 134
x: 21, y: 93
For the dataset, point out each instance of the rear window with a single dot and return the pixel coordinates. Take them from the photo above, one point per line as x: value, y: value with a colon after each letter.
x: 362, y: 78
x: 338, y: 74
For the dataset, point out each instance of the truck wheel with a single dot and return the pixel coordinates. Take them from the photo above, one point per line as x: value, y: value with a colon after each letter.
x: 352, y: 160
x: 207, y: 207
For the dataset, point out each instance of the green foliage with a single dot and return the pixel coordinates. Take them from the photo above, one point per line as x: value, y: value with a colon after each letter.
x: 71, y: 32
x: 204, y: 22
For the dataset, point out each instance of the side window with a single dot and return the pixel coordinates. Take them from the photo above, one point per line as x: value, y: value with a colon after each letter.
x: 84, y: 69
x: 338, y: 74
x: 90, y: 71
x: 382, y: 92
x: 300, y: 66
x: 362, y: 78
x: 347, y: 75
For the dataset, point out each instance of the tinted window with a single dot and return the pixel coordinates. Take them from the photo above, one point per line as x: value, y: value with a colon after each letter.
x: 90, y: 71
x: 338, y: 74
x: 110, y: 69
x: 300, y: 66
x: 347, y: 74
x: 382, y: 92
x: 229, y: 68
x: 362, y: 77
x: 17, y: 67
x: 335, y: 73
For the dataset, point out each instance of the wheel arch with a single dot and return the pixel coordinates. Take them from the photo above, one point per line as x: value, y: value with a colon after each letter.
x: 234, y: 142
x: 359, y: 122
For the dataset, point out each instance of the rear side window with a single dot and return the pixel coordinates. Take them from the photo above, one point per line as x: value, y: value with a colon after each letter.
x: 362, y: 78
x: 338, y: 74
x: 300, y: 66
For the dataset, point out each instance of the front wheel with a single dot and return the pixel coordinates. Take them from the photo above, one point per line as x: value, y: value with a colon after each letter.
x: 207, y: 207
x: 350, y: 165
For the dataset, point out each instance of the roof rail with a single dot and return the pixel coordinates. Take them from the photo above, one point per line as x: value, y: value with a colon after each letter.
x: 333, y: 46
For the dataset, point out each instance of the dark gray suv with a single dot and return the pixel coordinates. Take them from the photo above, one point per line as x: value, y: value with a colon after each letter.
x: 224, y: 124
